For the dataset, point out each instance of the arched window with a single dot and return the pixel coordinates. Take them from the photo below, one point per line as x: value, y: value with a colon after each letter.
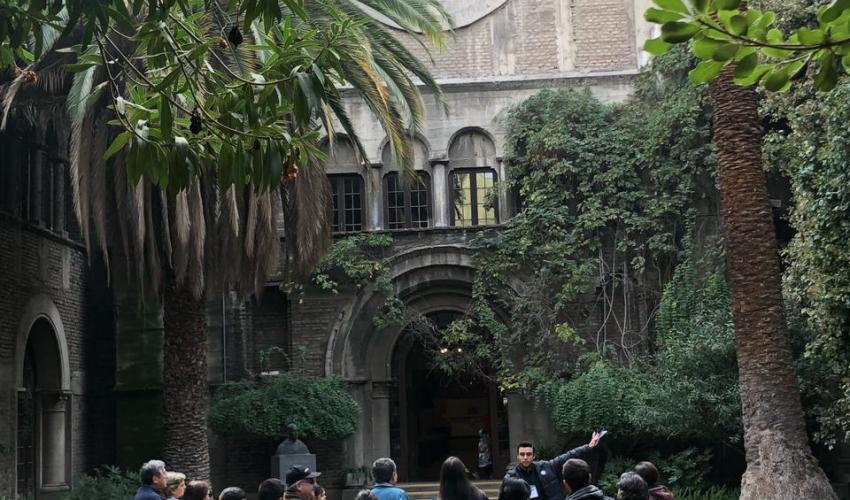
x: 347, y: 194
x: 407, y: 204
x: 347, y: 190
x: 472, y: 158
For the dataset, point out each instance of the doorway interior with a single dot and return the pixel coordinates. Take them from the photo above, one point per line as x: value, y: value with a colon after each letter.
x: 434, y: 415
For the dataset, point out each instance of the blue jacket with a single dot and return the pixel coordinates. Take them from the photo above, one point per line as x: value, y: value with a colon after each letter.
x: 387, y: 491
x: 147, y: 492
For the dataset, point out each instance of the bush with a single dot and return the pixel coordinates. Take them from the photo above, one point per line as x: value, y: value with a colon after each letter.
x: 320, y: 407
x: 713, y: 493
x: 107, y: 483
x: 684, y: 470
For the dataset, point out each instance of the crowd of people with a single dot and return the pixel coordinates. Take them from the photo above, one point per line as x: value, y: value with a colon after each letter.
x: 565, y: 477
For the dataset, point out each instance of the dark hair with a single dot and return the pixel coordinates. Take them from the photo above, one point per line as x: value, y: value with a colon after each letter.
x: 576, y: 473
x: 318, y: 491
x: 524, y: 444
x: 454, y: 484
x: 365, y: 495
x: 514, y: 489
x: 271, y: 489
x: 150, y: 470
x: 382, y: 470
x: 649, y: 472
x: 232, y: 493
x: 197, y: 490
x: 632, y: 487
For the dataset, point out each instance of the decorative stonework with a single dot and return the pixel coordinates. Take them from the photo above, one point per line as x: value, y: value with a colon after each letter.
x: 464, y: 12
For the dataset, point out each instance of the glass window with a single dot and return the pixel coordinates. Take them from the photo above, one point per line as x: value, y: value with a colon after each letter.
x: 407, y: 206
x: 470, y: 192
x: 347, y: 196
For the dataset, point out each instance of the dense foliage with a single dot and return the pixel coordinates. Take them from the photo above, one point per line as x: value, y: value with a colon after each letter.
x: 608, y: 190
x: 321, y: 408
x: 106, y: 483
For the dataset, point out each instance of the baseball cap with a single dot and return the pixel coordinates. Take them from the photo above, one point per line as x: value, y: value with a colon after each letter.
x: 298, y: 473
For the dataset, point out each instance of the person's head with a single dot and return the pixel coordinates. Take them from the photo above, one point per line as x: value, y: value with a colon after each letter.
x: 319, y: 492
x: 232, y: 493
x: 153, y: 474
x: 576, y: 474
x: 632, y: 487
x: 300, y: 480
x: 271, y: 489
x: 514, y: 489
x: 365, y: 495
x: 384, y: 471
x: 482, y: 432
x: 175, y: 484
x: 454, y: 484
x: 197, y: 490
x: 525, y: 454
x: 649, y: 472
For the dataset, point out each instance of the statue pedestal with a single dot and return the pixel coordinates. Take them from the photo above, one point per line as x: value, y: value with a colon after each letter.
x: 282, y: 463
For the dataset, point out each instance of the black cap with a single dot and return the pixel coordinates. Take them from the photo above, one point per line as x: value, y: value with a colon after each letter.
x: 298, y: 473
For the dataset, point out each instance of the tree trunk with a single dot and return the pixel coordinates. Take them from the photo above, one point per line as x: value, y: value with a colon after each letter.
x: 779, y: 461
x: 185, y: 393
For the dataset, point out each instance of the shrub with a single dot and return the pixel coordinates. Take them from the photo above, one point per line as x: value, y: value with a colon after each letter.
x: 713, y: 493
x: 107, y: 483
x: 320, y: 407
x: 682, y: 471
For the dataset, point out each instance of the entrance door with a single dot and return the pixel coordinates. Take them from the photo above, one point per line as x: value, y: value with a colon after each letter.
x: 26, y: 431
x: 435, y: 416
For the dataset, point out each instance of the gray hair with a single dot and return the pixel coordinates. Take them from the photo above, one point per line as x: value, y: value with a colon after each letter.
x: 382, y: 470
x: 150, y: 470
x: 172, y: 482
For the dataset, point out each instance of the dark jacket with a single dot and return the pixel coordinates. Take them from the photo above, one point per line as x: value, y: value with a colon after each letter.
x: 660, y: 492
x: 588, y: 493
x: 546, y: 474
x: 147, y: 492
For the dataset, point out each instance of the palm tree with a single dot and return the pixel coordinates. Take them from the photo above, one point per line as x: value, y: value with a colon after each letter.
x: 779, y: 461
x: 207, y: 237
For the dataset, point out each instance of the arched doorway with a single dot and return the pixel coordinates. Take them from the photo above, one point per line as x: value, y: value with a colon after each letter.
x: 435, y: 415
x: 43, y: 459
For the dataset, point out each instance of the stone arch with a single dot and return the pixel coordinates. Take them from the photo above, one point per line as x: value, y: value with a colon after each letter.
x: 42, y: 349
x: 342, y: 157
x: 422, y: 151
x: 41, y: 308
x: 472, y: 147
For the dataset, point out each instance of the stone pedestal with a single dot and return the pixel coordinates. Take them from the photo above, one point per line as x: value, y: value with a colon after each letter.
x: 282, y: 463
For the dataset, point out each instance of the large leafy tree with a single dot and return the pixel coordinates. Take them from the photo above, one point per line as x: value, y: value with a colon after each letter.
x: 779, y: 459
x: 188, y: 120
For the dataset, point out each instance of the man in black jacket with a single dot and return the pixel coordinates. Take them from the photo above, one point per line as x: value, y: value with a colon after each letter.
x: 544, y: 476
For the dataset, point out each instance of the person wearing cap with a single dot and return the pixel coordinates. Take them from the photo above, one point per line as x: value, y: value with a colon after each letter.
x: 299, y: 483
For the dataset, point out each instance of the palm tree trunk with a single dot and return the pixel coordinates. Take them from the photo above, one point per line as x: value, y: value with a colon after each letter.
x: 186, y: 399
x: 779, y: 461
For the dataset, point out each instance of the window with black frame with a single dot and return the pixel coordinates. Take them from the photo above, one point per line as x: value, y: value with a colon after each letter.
x: 347, y: 194
x: 407, y: 204
x: 470, y: 194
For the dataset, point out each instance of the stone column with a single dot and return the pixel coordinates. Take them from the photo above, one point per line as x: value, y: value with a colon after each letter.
x: 505, y: 206
x: 374, y: 203
x: 381, y: 418
x: 36, y: 179
x: 440, y: 198
x: 54, y: 414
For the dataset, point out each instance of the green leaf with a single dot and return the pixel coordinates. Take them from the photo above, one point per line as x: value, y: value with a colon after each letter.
x: 657, y: 46
x: 119, y: 142
x: 728, y: 4
x: 705, y: 47
x: 834, y: 11
x: 678, y: 32
x: 733, y: 20
x: 705, y: 71
x: 166, y: 120
x: 725, y: 52
x: 700, y: 6
x: 811, y: 37
x: 674, y: 5
x: 774, y: 36
x: 745, y: 66
x: 659, y: 16
x: 827, y: 76
x: 777, y: 79
x: 755, y: 75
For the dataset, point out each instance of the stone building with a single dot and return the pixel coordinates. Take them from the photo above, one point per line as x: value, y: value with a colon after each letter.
x: 80, y: 368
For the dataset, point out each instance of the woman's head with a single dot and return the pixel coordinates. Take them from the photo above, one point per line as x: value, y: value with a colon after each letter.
x: 175, y: 484
x: 632, y: 487
x: 197, y: 490
x: 514, y: 489
x: 365, y: 495
x: 649, y: 472
x: 454, y: 484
